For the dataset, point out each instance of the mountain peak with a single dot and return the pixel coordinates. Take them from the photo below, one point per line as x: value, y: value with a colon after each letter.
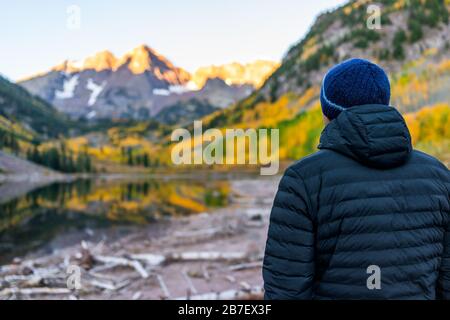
x: 103, y: 60
x: 67, y: 66
x: 143, y: 47
x: 139, y: 59
x: 144, y: 58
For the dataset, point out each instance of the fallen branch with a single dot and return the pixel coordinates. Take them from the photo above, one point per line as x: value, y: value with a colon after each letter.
x: 31, y: 280
x: 101, y: 276
x: 244, y: 266
x: 189, y: 282
x: 251, y: 294
x: 198, y: 233
x: 150, y: 259
x: 206, y: 275
x: 103, y: 285
x: 163, y: 286
x: 157, y: 259
x: 109, y: 285
x: 124, y: 262
x: 209, y: 256
x: 32, y: 291
x: 137, y: 296
x: 245, y: 286
x: 48, y: 277
x: 103, y: 267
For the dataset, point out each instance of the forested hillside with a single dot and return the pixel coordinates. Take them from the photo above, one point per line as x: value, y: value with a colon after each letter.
x: 27, y: 121
x: 35, y: 116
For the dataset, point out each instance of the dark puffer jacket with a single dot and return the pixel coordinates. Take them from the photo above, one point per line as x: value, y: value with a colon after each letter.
x: 366, y: 198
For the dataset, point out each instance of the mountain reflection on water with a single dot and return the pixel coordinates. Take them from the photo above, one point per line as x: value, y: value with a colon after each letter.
x: 32, y: 220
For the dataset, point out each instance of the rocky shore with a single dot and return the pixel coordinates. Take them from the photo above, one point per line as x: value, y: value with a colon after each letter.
x: 213, y: 255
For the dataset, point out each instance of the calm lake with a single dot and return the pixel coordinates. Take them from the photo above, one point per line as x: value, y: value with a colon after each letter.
x: 30, y: 221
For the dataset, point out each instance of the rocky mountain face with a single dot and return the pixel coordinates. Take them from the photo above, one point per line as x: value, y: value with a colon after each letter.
x: 104, y: 86
x: 254, y: 73
x: 136, y: 86
x: 184, y: 113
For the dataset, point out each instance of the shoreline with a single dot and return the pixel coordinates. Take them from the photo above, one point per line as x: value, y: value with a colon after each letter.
x: 216, y: 255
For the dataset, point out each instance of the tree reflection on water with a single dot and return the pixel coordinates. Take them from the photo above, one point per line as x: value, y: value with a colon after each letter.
x: 30, y: 221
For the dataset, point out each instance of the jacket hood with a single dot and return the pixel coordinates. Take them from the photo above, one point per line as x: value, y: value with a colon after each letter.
x: 374, y: 135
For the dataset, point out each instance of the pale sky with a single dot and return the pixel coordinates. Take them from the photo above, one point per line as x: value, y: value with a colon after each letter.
x: 34, y: 35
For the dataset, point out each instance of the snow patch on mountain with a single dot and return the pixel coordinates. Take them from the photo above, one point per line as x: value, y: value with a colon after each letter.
x: 68, y: 88
x: 161, y: 92
x: 91, y: 115
x: 176, y: 89
x: 96, y: 90
x: 180, y: 89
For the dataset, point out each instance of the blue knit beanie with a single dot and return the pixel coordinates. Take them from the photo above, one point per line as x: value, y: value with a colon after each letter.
x: 351, y: 83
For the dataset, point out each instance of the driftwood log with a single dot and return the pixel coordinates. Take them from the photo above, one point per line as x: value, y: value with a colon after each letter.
x: 240, y: 294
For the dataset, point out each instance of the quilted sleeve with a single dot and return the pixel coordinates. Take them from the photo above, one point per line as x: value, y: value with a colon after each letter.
x: 443, y: 287
x: 288, y: 268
